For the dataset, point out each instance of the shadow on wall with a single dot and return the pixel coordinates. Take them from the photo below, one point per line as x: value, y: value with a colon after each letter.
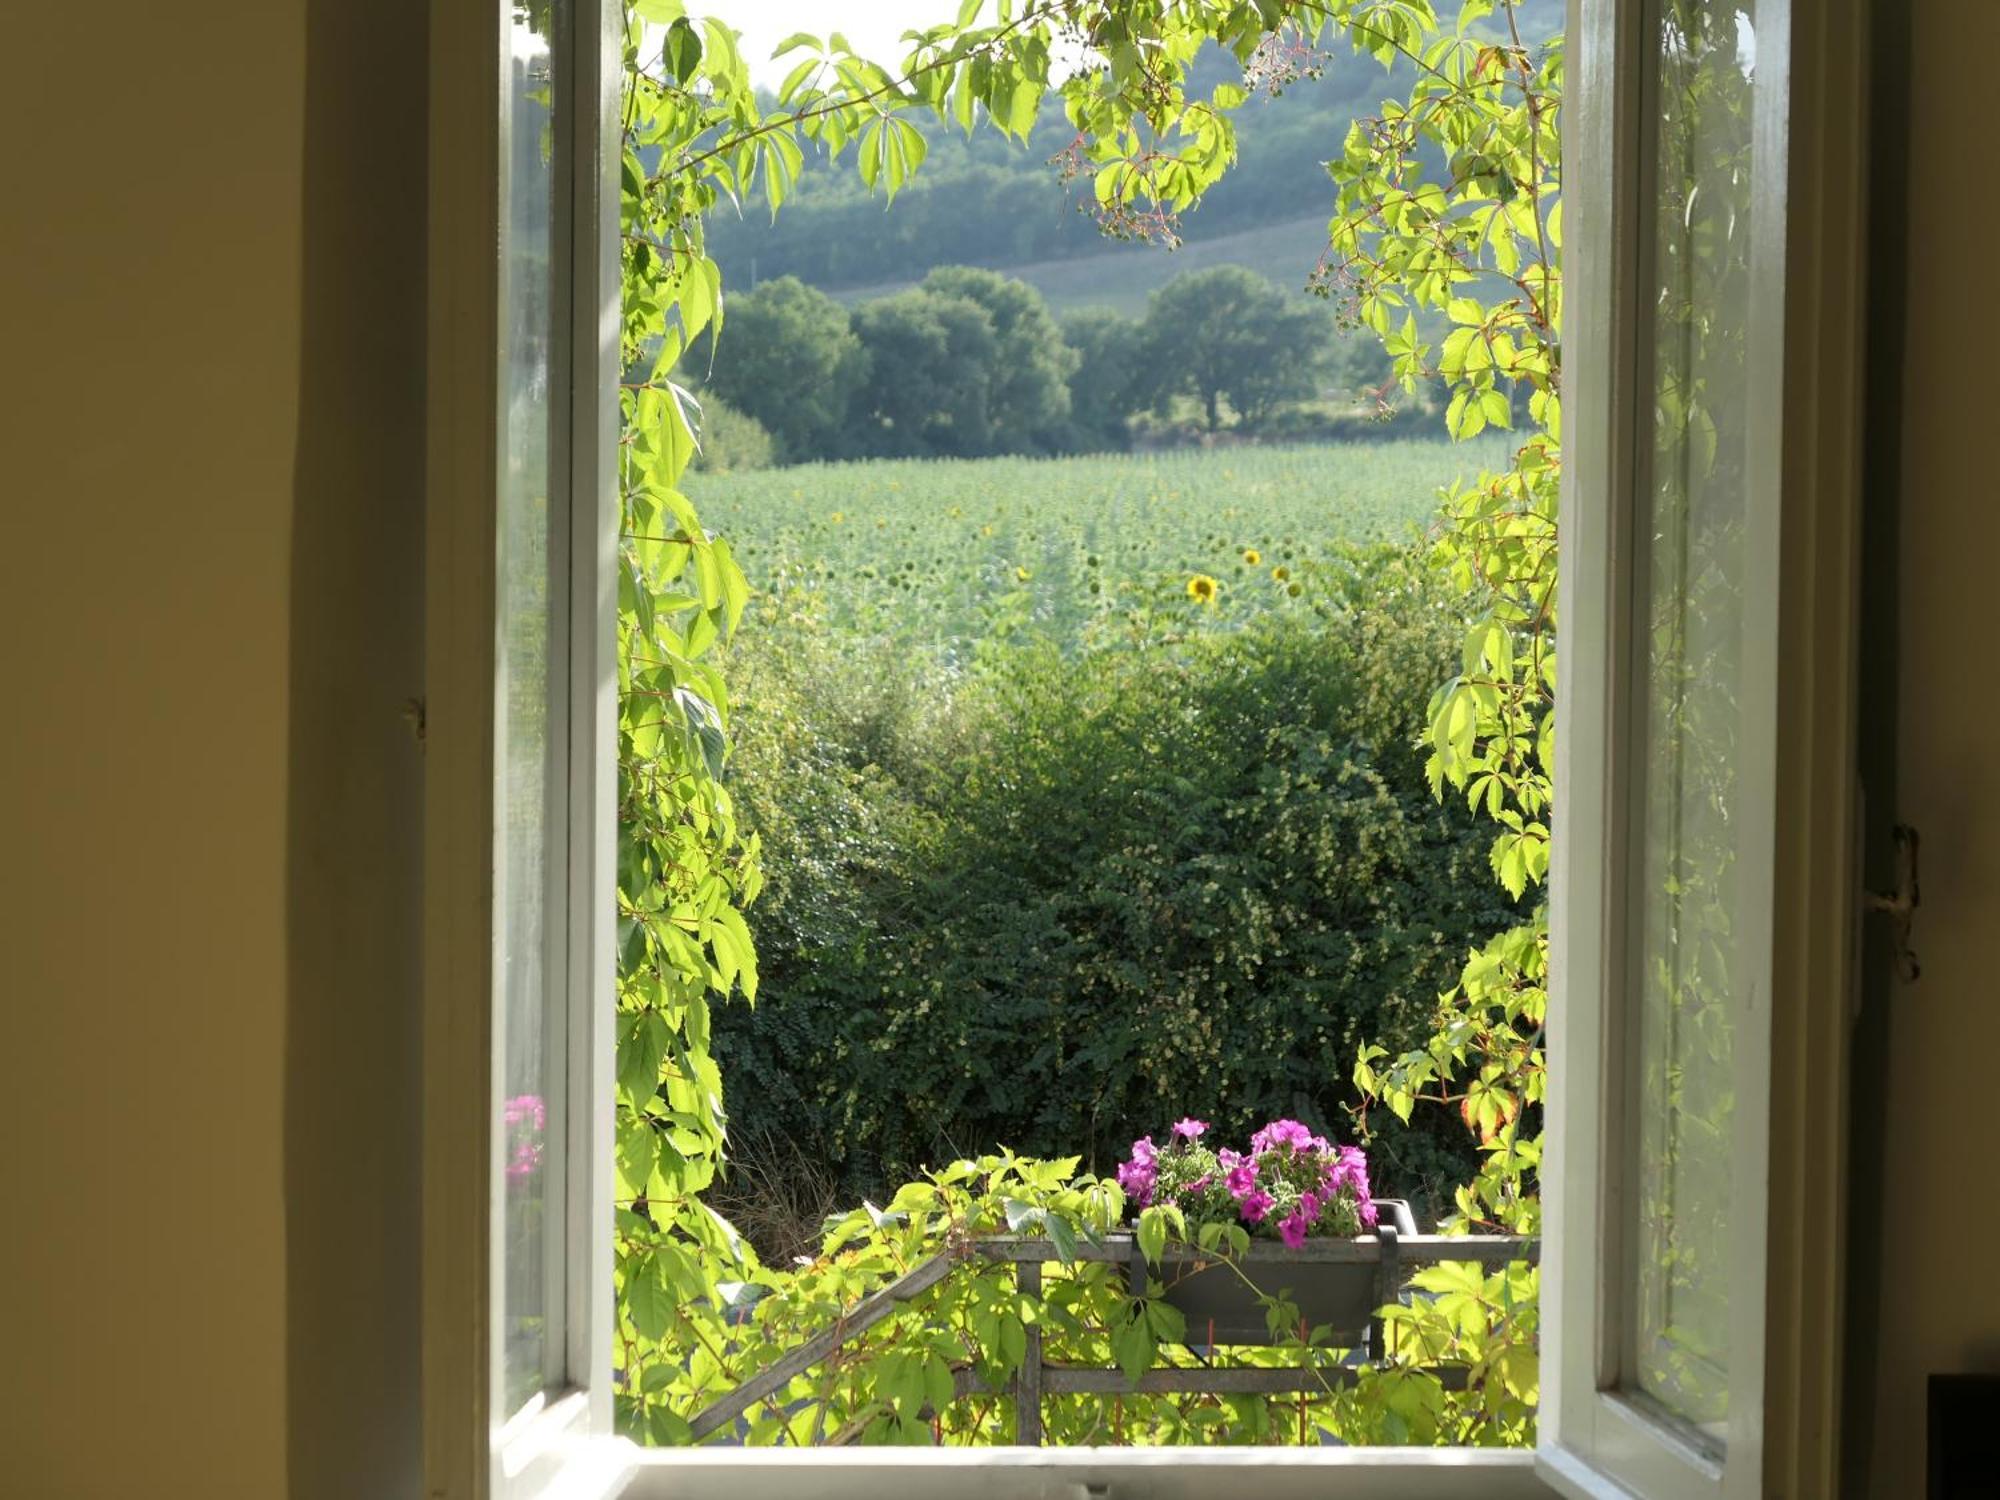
x: 355, y: 821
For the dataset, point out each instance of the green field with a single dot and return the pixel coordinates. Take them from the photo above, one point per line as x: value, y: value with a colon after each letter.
x: 942, y: 553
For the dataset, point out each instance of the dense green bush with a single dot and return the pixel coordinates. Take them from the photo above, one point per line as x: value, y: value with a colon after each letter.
x: 1056, y: 898
x: 732, y: 441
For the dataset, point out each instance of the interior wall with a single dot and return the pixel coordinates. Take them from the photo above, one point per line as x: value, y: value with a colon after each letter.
x: 1936, y: 1296
x: 211, y: 269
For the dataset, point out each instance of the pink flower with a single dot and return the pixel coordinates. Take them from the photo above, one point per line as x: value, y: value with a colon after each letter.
x: 1190, y: 1129
x: 1241, y: 1180
x: 1292, y: 1230
x: 1309, y: 1207
x: 1255, y: 1204
x: 1144, y: 1152
x: 1354, y: 1168
x: 526, y: 1158
x: 526, y: 1117
x: 1350, y: 1172
x: 1281, y: 1133
x: 1137, y: 1179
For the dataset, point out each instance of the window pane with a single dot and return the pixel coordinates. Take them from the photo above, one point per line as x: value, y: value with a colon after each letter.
x: 1690, y: 979
x: 528, y: 845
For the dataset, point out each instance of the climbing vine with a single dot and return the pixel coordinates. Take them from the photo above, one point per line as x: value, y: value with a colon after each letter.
x: 1444, y: 242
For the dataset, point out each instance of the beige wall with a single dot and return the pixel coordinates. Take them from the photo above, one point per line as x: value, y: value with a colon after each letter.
x: 210, y: 563
x: 1938, y: 1299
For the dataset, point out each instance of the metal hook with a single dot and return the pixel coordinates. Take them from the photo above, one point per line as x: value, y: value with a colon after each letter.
x: 1901, y: 905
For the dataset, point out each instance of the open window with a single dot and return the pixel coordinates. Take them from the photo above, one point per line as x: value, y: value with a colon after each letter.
x: 1700, y: 899
x: 1703, y: 891
x: 520, y: 713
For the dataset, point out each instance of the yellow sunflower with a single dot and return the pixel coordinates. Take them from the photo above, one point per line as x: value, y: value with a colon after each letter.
x: 1281, y: 572
x: 1252, y: 556
x: 1201, y: 589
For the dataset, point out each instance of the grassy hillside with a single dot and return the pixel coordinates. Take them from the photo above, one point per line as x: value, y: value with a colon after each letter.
x: 1121, y: 276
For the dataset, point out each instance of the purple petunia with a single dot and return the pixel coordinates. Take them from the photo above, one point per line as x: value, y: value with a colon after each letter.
x: 1137, y: 1181
x: 1282, y: 1133
x: 526, y: 1116
x: 1291, y: 1184
x: 1141, y: 1174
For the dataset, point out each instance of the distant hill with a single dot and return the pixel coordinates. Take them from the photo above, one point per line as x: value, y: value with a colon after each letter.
x: 1121, y: 276
x: 982, y: 202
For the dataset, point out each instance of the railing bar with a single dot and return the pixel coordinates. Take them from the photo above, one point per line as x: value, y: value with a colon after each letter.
x: 1077, y: 1380
x: 1113, y: 1248
x: 864, y: 1315
x: 1426, y: 1249
x: 1028, y: 1379
x: 1174, y: 1380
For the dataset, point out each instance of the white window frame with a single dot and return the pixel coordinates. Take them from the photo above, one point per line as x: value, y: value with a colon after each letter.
x: 1610, y: 1432
x: 1598, y: 1439
x: 1590, y: 1445
x: 472, y: 1448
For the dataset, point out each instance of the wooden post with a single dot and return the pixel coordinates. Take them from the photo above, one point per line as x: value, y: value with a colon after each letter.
x: 1028, y: 1379
x: 1388, y: 1287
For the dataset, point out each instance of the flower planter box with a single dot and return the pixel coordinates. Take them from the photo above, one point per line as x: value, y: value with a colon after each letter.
x: 1330, y: 1283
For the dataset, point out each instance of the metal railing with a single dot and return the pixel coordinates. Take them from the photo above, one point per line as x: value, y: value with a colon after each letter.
x: 1390, y: 1253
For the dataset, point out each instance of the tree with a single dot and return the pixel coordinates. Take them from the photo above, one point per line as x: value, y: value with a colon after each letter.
x: 1105, y: 384
x: 1028, y: 381
x: 788, y: 361
x: 931, y: 363
x: 1228, y: 333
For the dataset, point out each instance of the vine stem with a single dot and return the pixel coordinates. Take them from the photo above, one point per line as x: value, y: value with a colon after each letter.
x: 893, y: 86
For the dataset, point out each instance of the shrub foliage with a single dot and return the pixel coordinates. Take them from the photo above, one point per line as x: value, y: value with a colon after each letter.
x: 1027, y: 902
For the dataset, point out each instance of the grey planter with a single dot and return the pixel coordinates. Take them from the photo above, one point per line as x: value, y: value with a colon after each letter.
x: 1334, y: 1283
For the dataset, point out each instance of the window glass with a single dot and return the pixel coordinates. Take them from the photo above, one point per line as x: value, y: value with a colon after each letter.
x: 529, y: 869
x: 1691, y: 977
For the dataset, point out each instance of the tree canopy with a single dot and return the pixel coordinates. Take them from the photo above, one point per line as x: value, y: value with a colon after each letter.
x: 971, y: 362
x: 1028, y: 381
x: 1227, y: 334
x: 1108, y: 382
x: 791, y: 359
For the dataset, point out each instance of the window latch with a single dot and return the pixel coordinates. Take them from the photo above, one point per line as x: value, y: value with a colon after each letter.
x: 1900, y: 905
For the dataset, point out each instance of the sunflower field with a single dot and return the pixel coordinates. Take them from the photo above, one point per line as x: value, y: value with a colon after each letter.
x: 940, y: 555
